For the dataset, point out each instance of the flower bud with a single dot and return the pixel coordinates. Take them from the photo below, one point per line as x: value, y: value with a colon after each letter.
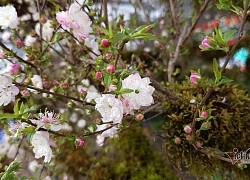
x: 15, y: 68
x: 112, y: 87
x: 108, y: 55
x: 205, y: 42
x: 98, y: 31
x: 105, y: 43
x: 64, y: 85
x: 30, y: 58
x: 98, y: 75
x: 204, y: 114
x: 79, y: 142
x: 193, y: 78
x: 139, y: 117
x: 43, y: 20
x: 19, y: 43
x: 111, y: 68
x: 25, y: 93
x: 177, y: 140
x: 98, y: 121
x: 82, y: 91
x: 187, y: 129
x: 189, y: 137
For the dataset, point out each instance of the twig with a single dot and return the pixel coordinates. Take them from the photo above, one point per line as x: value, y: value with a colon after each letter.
x: 201, y: 11
x: 105, y: 11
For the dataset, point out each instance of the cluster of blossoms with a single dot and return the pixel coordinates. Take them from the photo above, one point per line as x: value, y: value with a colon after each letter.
x: 112, y: 108
x: 8, y: 17
x: 7, y: 90
x: 75, y: 19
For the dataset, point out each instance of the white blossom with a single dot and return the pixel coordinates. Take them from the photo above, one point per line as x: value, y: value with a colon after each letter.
x: 77, y: 20
x: 8, y: 17
x: 47, y: 119
x: 7, y: 90
x: 47, y: 31
x: 37, y: 81
x: 29, y: 40
x: 100, y: 138
x: 110, y: 108
x: 142, y: 94
x: 34, y: 166
x: 41, y: 145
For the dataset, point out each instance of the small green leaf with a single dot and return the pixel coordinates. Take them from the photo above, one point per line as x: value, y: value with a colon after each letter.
x: 91, y: 128
x: 217, y: 73
x: 7, y: 116
x: 228, y: 35
x: 223, y: 81
x: 16, y: 107
x: 125, y: 91
x: 107, y: 80
x: 119, y: 37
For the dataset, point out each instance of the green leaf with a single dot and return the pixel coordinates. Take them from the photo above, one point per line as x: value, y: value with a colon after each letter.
x: 16, y: 107
x: 217, y: 73
x: 91, y: 128
x: 119, y: 37
x: 107, y: 80
x: 7, y: 116
x: 143, y: 28
x: 125, y: 91
x: 223, y: 81
x: 228, y: 35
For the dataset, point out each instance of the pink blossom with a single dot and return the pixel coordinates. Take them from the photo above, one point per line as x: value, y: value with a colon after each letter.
x: 82, y: 91
x: 15, y: 68
x: 177, y: 140
x: 105, y: 43
x: 25, y: 93
x: 64, y: 85
x: 111, y: 68
x: 2, y: 54
x: 139, y: 117
x: 112, y: 87
x: 187, y: 129
x: 79, y: 142
x: 98, y: 75
x: 193, y: 78
x: 19, y: 43
x: 108, y: 55
x: 204, y: 114
x: 205, y: 42
x: 189, y: 137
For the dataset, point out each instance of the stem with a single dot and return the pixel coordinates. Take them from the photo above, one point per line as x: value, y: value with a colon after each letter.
x: 105, y: 11
x: 201, y: 11
x: 55, y: 94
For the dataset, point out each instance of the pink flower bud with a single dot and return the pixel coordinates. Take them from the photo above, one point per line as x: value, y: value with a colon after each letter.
x: 149, y: 73
x: 98, y: 121
x: 25, y: 93
x: 98, y: 31
x: 204, y: 114
x: 112, y: 87
x: 79, y: 142
x: 108, y: 55
x: 205, y: 43
x: 46, y: 83
x: 82, y: 91
x: 105, y: 43
x: 177, y: 140
x: 19, y: 43
x: 31, y: 58
x: 189, y: 137
x: 64, y: 85
x: 2, y: 54
x: 15, y: 68
x: 43, y: 20
x: 111, y: 68
x: 142, y: 64
x: 193, y: 78
x: 55, y: 82
x: 139, y: 117
x: 98, y: 75
x: 187, y: 129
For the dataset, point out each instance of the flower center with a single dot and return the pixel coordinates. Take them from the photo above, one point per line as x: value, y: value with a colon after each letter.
x: 136, y: 91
